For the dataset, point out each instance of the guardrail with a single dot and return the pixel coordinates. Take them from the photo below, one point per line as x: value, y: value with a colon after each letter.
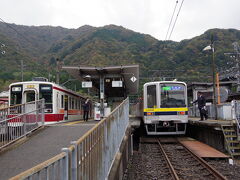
x: 237, y: 116
x: 90, y: 157
x: 224, y: 111
x: 17, y: 121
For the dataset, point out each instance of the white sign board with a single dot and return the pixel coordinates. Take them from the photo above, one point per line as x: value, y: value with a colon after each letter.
x: 86, y: 84
x: 116, y: 83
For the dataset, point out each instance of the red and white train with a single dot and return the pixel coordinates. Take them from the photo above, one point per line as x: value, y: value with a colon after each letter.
x: 60, y: 103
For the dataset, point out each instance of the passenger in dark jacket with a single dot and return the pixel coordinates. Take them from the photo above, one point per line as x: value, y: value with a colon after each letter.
x: 86, y: 108
x: 202, y: 106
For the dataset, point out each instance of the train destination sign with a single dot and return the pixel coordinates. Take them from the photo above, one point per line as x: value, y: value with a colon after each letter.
x: 172, y: 88
x: 16, y: 89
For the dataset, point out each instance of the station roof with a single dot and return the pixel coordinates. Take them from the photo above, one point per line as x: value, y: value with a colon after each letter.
x: 125, y: 73
x: 205, y: 84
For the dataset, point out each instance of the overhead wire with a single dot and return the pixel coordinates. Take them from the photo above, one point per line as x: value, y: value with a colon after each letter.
x: 176, y: 19
x: 171, y: 20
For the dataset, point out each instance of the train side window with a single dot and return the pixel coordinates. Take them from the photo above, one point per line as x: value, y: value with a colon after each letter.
x: 151, y: 96
x: 58, y: 100
x: 72, y: 103
x: 77, y: 104
x: 80, y: 104
x: 62, y: 101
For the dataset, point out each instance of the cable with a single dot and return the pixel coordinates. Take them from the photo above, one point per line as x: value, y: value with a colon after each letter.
x: 176, y: 19
x: 15, y: 30
x: 171, y: 20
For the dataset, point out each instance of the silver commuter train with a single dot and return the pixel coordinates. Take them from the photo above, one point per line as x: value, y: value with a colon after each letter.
x: 165, y: 110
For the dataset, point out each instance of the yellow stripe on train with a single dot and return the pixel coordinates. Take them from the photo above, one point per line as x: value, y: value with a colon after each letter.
x: 164, y: 109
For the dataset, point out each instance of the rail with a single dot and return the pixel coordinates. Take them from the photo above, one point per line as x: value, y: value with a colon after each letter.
x: 91, y: 156
x: 18, y: 121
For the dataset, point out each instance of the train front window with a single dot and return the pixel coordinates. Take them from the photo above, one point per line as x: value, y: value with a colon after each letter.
x: 151, y: 96
x: 16, y: 98
x: 172, y: 95
x: 16, y: 95
x: 46, y: 94
x: 30, y: 96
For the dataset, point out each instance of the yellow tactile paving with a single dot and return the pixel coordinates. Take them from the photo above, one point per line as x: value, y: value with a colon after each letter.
x: 71, y: 123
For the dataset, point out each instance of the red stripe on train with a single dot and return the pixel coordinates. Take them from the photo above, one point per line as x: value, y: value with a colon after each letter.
x: 53, y: 117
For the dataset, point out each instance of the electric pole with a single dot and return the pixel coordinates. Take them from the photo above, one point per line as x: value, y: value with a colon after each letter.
x: 58, y: 71
x: 236, y: 55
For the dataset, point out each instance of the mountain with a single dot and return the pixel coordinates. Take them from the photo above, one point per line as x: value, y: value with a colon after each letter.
x: 39, y: 47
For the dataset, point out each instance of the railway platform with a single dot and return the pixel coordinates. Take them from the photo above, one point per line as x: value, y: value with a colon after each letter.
x: 201, y: 149
x: 209, y: 122
x: 41, y: 146
x: 219, y: 134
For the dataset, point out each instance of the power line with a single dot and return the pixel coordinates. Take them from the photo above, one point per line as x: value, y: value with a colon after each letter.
x: 176, y: 19
x: 171, y: 20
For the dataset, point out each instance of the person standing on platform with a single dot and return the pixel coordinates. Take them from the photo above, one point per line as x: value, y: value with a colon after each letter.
x: 202, y: 106
x: 86, y: 108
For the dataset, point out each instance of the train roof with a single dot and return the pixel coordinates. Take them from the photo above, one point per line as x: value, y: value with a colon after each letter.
x: 129, y: 75
x: 161, y: 82
x: 51, y: 83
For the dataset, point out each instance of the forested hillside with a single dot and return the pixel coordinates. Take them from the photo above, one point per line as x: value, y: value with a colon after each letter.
x: 39, y: 47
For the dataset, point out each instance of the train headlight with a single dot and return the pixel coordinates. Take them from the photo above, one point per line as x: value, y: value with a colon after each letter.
x: 48, y: 110
x: 149, y: 113
x: 181, y: 113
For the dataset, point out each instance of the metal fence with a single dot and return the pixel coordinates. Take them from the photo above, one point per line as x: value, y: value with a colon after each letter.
x: 17, y: 121
x: 237, y: 115
x: 224, y: 111
x: 89, y: 158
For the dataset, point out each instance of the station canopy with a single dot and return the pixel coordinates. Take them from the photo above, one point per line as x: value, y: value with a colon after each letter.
x: 111, y: 76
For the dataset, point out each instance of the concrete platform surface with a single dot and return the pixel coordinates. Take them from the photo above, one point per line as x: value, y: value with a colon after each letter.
x: 41, y: 146
x: 209, y: 122
x: 203, y: 150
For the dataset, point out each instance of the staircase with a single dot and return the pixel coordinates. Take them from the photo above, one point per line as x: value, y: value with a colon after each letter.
x: 231, y: 139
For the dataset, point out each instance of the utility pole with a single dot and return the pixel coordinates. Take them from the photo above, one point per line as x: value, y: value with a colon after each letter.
x: 22, y: 69
x: 236, y: 55
x: 236, y: 49
x: 58, y: 71
x: 214, y: 77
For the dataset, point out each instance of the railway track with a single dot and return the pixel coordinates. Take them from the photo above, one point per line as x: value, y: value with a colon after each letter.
x: 184, y: 164
x: 169, y: 159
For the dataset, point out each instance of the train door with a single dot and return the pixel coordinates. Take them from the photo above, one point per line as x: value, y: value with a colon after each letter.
x: 30, y: 96
x: 66, y: 107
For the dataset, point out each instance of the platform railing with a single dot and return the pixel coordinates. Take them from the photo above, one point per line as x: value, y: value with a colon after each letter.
x: 224, y: 111
x: 90, y: 157
x: 237, y: 116
x: 17, y: 121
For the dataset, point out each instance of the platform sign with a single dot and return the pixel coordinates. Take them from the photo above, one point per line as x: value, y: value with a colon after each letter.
x: 117, y: 84
x: 86, y: 84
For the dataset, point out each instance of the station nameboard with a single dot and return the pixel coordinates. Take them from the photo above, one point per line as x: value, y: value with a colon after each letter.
x: 116, y: 83
x: 86, y: 84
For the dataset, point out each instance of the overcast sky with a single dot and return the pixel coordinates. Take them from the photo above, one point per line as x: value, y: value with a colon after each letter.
x: 144, y: 16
